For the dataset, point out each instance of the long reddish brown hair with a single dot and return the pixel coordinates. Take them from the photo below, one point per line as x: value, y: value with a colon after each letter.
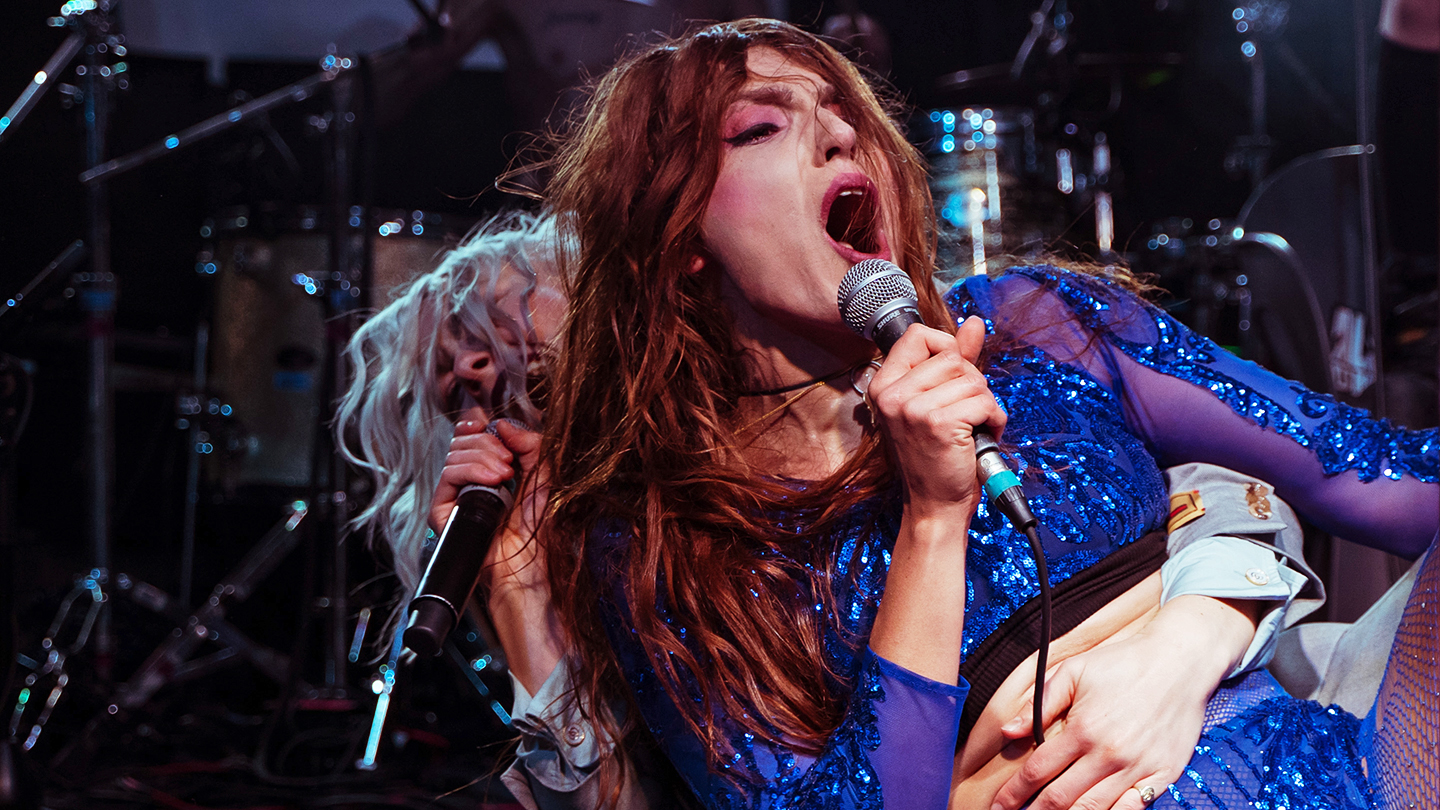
x: 640, y: 431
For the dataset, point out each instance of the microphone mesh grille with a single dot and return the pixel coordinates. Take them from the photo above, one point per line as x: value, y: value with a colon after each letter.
x: 869, y: 286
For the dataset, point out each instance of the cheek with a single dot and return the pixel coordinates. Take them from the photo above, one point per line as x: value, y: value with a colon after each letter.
x: 730, y: 202
x: 750, y: 202
x: 547, y: 309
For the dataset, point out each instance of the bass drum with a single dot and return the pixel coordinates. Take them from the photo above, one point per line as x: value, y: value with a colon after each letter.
x: 268, y: 347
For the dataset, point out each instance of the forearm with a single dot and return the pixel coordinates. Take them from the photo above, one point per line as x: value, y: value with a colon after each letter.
x: 921, y: 618
x: 518, y: 599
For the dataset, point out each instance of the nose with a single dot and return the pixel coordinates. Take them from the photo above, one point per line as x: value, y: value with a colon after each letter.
x: 835, y: 138
x: 476, y: 371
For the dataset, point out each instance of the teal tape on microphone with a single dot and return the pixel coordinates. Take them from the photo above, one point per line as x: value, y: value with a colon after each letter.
x: 999, y: 482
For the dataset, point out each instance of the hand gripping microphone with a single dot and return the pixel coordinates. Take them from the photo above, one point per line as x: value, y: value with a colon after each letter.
x: 455, y: 566
x: 879, y: 302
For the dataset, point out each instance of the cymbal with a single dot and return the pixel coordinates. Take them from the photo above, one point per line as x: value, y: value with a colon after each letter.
x: 997, y: 76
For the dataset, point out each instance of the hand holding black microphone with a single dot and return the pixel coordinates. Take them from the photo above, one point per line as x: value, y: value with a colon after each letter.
x: 475, y: 494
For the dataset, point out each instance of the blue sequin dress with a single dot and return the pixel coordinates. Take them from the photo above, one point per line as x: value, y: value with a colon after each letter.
x: 1101, y: 391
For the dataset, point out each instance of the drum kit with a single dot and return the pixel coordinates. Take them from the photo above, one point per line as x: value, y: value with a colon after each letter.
x: 1033, y: 175
x: 1291, y: 281
x: 289, y: 285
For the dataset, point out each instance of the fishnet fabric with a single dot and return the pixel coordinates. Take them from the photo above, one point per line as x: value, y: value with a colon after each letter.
x: 1406, y: 755
x: 1236, y: 698
x: 1285, y: 753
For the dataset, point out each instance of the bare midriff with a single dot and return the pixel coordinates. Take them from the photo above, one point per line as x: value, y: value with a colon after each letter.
x: 988, y: 759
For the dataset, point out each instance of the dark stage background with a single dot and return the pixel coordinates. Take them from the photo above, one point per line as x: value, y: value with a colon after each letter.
x: 1177, y: 121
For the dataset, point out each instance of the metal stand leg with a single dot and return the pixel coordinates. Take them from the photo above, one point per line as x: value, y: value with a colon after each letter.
x: 97, y: 298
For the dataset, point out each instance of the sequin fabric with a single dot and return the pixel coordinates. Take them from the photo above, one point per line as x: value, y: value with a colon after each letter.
x: 842, y: 776
x: 1095, y: 486
x: 1090, y: 481
x: 1283, y: 753
x: 1342, y: 436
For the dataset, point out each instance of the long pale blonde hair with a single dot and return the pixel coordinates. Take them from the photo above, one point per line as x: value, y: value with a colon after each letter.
x: 392, y: 423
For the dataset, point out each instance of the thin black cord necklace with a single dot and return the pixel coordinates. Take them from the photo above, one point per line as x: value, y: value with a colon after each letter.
x: 785, y: 389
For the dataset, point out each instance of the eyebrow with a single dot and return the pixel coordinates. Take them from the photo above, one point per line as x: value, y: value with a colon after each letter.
x: 780, y: 95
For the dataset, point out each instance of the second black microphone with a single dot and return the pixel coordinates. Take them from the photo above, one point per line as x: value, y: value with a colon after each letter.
x: 455, y: 566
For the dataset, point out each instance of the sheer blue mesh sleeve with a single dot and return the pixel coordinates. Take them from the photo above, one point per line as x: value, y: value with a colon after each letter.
x: 894, y: 749
x: 1353, y: 475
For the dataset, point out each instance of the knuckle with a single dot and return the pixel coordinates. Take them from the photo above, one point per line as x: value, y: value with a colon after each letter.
x: 1032, y: 772
x: 934, y: 420
x: 1084, y: 733
x: 885, y: 400
x: 1113, y: 755
x: 1048, y: 801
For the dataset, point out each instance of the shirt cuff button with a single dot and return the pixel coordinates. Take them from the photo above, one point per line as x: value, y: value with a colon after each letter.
x: 1257, y: 576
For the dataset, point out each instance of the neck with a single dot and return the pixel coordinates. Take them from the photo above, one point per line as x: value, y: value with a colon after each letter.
x: 809, y: 432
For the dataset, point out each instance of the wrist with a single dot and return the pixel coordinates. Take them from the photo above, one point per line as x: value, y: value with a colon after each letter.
x: 1211, y: 633
x: 937, y: 524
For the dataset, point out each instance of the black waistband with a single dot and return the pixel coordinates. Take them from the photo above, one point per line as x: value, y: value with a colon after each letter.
x: 1072, y: 602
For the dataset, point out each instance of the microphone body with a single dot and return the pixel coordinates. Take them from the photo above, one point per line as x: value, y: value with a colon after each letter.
x: 455, y: 566
x: 878, y: 300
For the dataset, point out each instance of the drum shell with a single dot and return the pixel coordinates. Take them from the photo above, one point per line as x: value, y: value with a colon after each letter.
x: 997, y: 152
x: 268, y: 349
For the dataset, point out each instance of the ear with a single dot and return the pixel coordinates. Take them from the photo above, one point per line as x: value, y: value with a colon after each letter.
x: 700, y: 259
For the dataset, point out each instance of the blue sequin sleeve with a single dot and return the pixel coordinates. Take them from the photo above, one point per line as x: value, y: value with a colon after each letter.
x: 1353, y: 475
x: 894, y: 748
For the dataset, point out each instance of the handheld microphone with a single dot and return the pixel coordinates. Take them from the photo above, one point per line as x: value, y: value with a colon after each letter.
x: 879, y: 302
x: 455, y: 566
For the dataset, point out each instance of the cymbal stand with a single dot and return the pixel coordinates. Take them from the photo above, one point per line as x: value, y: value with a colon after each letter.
x: 17, y: 789
x: 1365, y: 130
x: 173, y: 661
x: 339, y: 297
x: 1254, y: 20
x: 97, y: 299
x: 44, y: 78
x: 93, y: 31
x: 1051, y: 23
x: 190, y: 408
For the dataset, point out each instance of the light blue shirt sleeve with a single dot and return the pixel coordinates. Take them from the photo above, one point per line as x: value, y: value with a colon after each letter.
x: 1225, y: 567
x: 559, y: 747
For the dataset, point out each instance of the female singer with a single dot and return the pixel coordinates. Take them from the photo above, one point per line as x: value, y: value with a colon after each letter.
x: 463, y: 342
x: 778, y: 564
